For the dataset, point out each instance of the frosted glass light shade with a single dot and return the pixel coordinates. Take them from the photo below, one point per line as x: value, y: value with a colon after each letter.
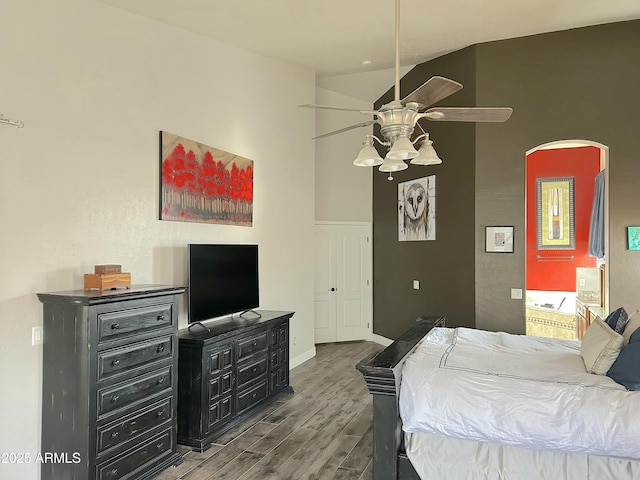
x: 392, y: 165
x: 402, y: 149
x: 368, y: 157
x: 426, y: 155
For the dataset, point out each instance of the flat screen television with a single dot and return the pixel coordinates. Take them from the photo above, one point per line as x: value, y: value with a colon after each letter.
x: 223, y: 280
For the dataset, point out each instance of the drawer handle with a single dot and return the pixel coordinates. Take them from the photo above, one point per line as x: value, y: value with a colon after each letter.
x: 115, y: 363
x: 115, y: 398
x: 160, y: 318
x: 115, y: 326
x: 115, y: 435
x: 160, y: 381
x: 159, y: 446
x: 160, y: 413
x: 254, y: 395
x: 255, y: 342
x: 160, y: 348
x: 254, y: 369
x: 114, y: 471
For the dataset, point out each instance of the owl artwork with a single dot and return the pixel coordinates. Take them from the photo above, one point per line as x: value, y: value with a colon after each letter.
x: 416, y: 209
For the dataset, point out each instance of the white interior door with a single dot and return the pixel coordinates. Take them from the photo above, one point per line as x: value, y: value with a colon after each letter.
x: 343, y: 282
x: 325, y: 286
x: 352, y: 312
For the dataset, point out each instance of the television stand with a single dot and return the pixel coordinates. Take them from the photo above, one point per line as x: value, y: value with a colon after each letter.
x: 199, y: 324
x: 229, y: 372
x: 251, y: 310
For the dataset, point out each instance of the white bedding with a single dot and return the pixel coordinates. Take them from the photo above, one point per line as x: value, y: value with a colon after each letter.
x: 446, y: 458
x: 516, y: 390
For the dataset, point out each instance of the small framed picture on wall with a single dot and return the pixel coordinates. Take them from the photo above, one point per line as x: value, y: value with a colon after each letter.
x: 633, y: 238
x: 499, y: 239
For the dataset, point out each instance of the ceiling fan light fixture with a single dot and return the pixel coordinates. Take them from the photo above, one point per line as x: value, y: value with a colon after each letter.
x: 402, y: 149
x: 398, y: 119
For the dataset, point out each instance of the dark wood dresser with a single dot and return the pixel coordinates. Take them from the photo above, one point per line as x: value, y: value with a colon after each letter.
x: 228, y: 371
x: 109, y: 382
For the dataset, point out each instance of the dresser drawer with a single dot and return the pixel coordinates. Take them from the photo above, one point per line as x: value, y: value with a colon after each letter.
x: 141, y: 422
x: 140, y: 388
x: 251, y: 371
x: 129, y: 465
x: 135, y: 355
x: 252, y: 345
x: 115, y: 324
x: 252, y: 396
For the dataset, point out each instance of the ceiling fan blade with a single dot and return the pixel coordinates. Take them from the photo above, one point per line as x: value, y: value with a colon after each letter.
x: 329, y: 107
x: 335, y: 132
x: 468, y: 114
x: 432, y: 91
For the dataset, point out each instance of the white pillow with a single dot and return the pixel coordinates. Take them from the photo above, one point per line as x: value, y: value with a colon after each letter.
x: 600, y: 347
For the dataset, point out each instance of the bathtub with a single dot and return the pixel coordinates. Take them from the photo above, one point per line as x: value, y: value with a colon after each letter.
x: 551, y: 314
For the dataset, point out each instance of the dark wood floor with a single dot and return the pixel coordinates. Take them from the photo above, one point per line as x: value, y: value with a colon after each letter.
x: 321, y: 431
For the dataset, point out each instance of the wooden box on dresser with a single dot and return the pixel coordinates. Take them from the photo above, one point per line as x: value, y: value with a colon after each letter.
x: 110, y: 382
x: 227, y: 370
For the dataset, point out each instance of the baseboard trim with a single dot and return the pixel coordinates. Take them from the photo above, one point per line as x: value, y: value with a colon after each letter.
x: 379, y: 339
x: 303, y: 357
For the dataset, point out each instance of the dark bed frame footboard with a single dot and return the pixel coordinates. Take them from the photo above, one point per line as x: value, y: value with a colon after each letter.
x: 382, y: 374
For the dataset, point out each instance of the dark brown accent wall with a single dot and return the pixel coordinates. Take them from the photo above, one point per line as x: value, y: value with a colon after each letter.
x: 444, y: 267
x: 575, y: 84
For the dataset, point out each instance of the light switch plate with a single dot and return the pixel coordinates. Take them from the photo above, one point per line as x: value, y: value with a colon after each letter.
x: 36, y: 336
x: 416, y: 284
x: 516, y: 294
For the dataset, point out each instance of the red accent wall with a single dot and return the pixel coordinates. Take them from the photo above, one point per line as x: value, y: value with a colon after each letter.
x: 583, y: 164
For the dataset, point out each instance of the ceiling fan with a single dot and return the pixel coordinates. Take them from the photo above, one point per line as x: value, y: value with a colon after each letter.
x: 399, y: 119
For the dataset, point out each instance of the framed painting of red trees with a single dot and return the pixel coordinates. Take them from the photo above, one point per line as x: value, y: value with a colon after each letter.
x: 203, y: 184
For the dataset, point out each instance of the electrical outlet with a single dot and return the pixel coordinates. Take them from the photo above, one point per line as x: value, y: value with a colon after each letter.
x: 516, y: 294
x: 36, y: 336
x: 295, y: 340
x: 416, y: 284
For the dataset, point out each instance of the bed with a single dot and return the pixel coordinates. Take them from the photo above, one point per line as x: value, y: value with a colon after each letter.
x: 444, y: 408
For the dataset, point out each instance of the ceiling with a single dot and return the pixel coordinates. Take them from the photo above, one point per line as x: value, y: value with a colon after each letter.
x: 334, y: 37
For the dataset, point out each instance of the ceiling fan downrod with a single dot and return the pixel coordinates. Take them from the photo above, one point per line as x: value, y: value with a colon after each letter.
x: 397, y: 62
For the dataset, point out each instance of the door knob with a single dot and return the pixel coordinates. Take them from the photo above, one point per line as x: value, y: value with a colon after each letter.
x: 333, y: 289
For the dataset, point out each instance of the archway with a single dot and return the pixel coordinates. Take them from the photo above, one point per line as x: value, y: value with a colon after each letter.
x: 565, y: 281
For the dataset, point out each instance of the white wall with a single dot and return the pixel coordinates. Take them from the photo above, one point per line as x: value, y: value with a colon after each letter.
x: 79, y: 184
x: 343, y: 191
x: 368, y: 86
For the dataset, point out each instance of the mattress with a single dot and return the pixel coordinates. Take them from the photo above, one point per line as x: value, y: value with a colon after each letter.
x: 528, y: 392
